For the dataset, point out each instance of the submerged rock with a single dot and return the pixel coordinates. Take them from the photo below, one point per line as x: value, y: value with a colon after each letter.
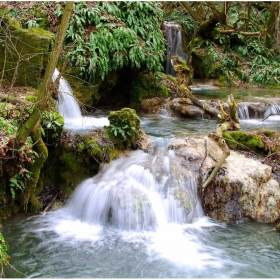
x: 243, y: 188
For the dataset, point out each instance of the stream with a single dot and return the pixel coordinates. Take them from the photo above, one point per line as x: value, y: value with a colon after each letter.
x: 125, y: 222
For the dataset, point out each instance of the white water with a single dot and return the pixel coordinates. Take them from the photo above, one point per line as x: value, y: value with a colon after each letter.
x: 69, y: 108
x: 128, y: 222
x: 138, y: 192
x: 174, y: 46
x: 272, y: 111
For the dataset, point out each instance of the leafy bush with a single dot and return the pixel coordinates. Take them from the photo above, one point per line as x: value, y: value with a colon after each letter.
x: 109, y: 36
x: 52, y: 125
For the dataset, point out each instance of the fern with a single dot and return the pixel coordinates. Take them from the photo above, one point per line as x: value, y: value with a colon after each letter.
x: 124, y: 34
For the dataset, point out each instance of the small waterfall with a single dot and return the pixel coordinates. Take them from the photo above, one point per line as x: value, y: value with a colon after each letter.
x: 243, y: 112
x: 174, y: 45
x: 137, y: 192
x: 69, y: 108
x: 257, y: 110
x: 272, y: 110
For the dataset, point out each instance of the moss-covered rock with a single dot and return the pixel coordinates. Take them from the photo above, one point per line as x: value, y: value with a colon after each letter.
x: 78, y: 158
x: 25, y: 59
x: 244, y: 140
x: 260, y: 141
x: 124, y: 127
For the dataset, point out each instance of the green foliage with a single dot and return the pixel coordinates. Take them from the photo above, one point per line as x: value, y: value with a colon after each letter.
x: 110, y: 36
x: 33, y: 23
x: 7, y: 126
x: 119, y: 131
x: 52, y: 122
x: 183, y: 17
x: 18, y: 182
x: 4, y: 257
x: 124, y: 126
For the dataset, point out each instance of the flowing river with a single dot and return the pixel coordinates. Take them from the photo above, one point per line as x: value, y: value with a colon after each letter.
x: 125, y: 222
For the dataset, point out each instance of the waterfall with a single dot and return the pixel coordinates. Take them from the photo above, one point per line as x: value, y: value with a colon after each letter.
x: 243, y: 112
x: 258, y: 110
x: 174, y: 45
x: 138, y: 191
x: 69, y: 108
x: 273, y: 109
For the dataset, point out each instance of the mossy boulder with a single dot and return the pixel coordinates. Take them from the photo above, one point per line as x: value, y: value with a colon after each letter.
x: 78, y: 158
x: 244, y: 140
x: 24, y: 60
x: 124, y: 127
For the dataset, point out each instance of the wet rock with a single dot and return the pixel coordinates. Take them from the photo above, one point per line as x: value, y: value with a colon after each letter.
x: 143, y: 142
x: 243, y: 188
x: 152, y: 105
x: 184, y: 107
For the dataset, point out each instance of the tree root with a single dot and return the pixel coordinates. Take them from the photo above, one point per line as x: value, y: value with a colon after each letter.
x: 226, y: 153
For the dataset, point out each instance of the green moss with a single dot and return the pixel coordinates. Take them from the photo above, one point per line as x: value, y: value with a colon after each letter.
x: 148, y: 85
x: 14, y: 24
x: 29, y: 71
x: 31, y: 98
x: 78, y: 158
x: 93, y: 148
x: 80, y: 147
x: 124, y: 127
x: 244, y: 140
x: 71, y: 160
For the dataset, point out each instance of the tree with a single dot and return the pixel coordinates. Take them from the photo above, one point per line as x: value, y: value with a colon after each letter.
x: 32, y: 126
x: 273, y: 24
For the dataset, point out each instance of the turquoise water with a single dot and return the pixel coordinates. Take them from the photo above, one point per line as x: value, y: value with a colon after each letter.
x: 56, y: 246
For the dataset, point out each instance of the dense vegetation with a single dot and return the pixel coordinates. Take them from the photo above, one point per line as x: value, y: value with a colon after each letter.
x: 231, y: 41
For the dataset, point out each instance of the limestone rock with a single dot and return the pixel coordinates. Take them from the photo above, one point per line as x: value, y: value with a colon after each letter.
x: 243, y: 187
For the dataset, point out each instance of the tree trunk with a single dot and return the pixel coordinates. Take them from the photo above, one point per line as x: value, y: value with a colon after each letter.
x: 43, y: 94
x: 32, y: 126
x: 273, y: 24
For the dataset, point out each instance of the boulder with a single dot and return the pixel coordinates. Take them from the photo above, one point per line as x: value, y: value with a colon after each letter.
x: 25, y: 57
x: 243, y: 189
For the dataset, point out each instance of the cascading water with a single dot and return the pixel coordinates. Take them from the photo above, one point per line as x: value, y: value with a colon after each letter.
x: 174, y: 45
x: 243, y: 112
x: 138, y: 192
x: 272, y: 110
x: 69, y: 108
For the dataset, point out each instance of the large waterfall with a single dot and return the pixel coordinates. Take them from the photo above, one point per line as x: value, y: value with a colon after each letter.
x: 69, y: 108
